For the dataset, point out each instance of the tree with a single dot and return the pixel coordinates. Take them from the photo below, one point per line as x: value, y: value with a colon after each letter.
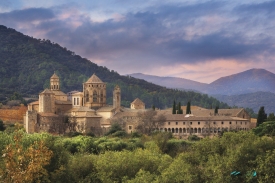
x: 216, y: 110
x: 2, y: 126
x: 149, y: 120
x: 174, y: 108
x: 115, y: 127
x: 188, y: 108
x: 267, y: 128
x: 179, y: 108
x: 25, y: 164
x: 271, y: 117
x: 262, y: 116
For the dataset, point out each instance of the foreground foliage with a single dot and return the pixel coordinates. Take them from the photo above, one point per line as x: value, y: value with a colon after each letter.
x: 156, y: 158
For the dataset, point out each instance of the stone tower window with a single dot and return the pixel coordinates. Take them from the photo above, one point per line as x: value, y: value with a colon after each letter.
x: 94, y: 96
x: 87, y: 96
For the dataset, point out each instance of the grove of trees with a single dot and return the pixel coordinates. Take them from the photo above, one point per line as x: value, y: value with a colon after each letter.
x: 155, y: 158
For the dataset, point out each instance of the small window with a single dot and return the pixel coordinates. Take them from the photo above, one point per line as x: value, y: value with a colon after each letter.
x: 241, y: 122
x: 214, y: 122
x: 245, y: 123
x: 236, y: 122
x: 184, y: 123
x: 199, y: 123
x: 130, y: 127
x: 176, y: 123
x: 222, y: 122
x: 230, y: 122
x: 168, y: 123
x: 190, y: 123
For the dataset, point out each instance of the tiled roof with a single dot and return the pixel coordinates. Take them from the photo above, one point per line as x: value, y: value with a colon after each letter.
x: 54, y: 76
x: 94, y: 79
x: 35, y: 102
x: 56, y: 92
x: 81, y: 109
x: 63, y: 102
x: 137, y: 101
x: 182, y: 117
x: 221, y: 112
x: 46, y: 91
x: 47, y: 114
x: 106, y: 109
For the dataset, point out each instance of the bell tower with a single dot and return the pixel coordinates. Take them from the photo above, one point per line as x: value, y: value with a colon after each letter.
x: 55, y: 85
x: 116, y: 97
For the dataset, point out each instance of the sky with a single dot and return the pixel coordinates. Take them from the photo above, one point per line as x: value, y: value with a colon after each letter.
x: 196, y: 39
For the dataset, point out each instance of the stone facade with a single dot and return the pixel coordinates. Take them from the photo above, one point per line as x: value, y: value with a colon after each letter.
x: 87, y: 109
x: 137, y: 104
x: 88, y: 112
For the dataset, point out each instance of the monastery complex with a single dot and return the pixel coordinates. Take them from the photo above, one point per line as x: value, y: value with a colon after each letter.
x: 55, y: 111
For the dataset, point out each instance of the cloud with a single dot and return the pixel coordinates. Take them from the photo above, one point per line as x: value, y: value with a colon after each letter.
x: 162, y: 35
x: 27, y: 15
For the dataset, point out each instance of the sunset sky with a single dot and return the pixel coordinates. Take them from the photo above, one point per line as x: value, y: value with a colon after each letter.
x: 197, y: 40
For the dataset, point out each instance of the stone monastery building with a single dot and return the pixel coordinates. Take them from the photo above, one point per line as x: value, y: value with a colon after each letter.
x: 55, y: 112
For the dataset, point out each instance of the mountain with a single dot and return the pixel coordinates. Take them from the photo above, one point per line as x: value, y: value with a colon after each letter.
x: 171, y: 82
x: 251, y: 100
x: 26, y: 64
x: 249, y: 81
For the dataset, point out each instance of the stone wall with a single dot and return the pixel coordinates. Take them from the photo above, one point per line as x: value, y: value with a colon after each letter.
x: 14, y: 114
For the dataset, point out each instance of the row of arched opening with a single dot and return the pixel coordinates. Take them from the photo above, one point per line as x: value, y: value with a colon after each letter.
x: 199, y: 130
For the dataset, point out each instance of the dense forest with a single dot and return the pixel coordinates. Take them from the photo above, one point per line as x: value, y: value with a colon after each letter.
x: 26, y: 64
x: 231, y: 157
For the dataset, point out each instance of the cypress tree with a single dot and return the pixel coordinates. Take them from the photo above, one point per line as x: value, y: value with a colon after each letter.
x: 262, y: 116
x: 188, y: 108
x: 174, y: 108
x: 216, y: 110
x: 179, y: 108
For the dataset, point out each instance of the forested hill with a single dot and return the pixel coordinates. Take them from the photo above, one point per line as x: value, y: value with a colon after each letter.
x: 26, y: 64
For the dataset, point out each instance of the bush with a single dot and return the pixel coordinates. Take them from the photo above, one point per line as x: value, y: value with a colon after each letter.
x: 194, y: 138
x: 119, y: 134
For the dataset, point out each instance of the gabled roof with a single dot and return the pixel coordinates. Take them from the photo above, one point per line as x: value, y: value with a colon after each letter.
x: 54, y: 76
x: 46, y: 91
x: 137, y: 101
x: 94, y: 79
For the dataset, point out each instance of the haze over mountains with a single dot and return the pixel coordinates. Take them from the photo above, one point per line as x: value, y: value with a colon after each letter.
x: 249, y: 81
x: 252, y: 88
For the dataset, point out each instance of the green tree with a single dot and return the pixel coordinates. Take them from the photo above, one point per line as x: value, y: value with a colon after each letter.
x: 179, y: 108
x: 262, y: 116
x: 188, y: 108
x: 266, y: 128
x: 174, y: 108
x: 216, y: 110
x: 271, y: 117
x: 2, y: 126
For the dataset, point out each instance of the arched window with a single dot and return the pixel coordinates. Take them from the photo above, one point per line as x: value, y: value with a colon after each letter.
x: 94, y: 96
x: 87, y: 96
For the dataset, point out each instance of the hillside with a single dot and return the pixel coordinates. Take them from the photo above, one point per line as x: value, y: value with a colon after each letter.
x: 251, y: 100
x: 249, y: 81
x: 26, y: 64
x: 171, y: 82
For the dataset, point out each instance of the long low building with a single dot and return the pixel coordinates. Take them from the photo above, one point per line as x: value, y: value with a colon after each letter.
x: 202, y: 122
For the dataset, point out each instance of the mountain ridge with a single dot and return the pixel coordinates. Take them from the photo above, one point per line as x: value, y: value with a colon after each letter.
x: 26, y: 65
